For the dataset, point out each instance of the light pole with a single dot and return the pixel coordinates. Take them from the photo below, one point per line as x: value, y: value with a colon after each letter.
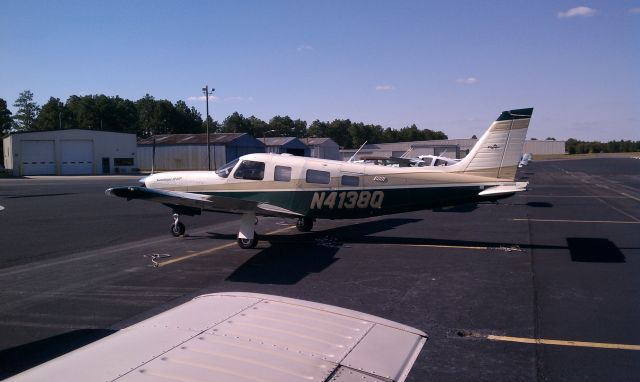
x: 206, y: 92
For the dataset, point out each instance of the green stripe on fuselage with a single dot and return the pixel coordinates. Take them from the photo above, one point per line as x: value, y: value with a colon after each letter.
x: 358, y: 203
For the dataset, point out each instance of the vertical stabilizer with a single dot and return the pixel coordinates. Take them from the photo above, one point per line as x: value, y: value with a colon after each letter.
x: 498, y: 152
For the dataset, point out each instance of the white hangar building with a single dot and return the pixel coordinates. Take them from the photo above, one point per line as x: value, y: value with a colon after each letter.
x: 69, y: 152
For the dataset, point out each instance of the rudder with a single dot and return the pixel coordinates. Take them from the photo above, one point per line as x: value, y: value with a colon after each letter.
x: 498, y: 152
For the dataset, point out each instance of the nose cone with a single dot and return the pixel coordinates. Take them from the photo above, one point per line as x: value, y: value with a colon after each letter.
x: 143, y: 181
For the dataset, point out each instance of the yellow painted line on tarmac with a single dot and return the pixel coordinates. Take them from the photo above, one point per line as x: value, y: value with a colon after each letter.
x: 576, y: 221
x: 214, y: 249
x: 542, y: 341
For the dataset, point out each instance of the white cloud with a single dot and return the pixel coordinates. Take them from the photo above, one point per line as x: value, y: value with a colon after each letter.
x: 384, y: 88
x: 635, y: 11
x: 467, y: 81
x: 577, y: 12
x: 202, y: 98
x: 238, y: 98
x: 302, y: 48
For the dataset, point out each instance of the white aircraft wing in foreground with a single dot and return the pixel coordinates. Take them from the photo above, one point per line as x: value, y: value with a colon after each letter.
x: 244, y: 337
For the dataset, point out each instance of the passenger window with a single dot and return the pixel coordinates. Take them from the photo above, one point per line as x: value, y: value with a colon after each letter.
x: 349, y: 180
x: 320, y: 177
x: 282, y: 174
x: 251, y: 170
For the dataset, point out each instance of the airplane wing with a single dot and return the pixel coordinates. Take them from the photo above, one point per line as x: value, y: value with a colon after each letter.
x: 198, y: 202
x: 240, y: 337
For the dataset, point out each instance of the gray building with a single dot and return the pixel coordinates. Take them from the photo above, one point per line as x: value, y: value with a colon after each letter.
x: 176, y: 152
x: 405, y: 149
x: 289, y: 145
x: 69, y: 152
x: 452, y: 148
x: 324, y: 148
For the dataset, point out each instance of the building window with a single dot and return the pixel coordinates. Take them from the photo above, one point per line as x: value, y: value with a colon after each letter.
x: 250, y: 170
x: 319, y: 177
x: 282, y: 174
x: 123, y: 161
x: 350, y: 180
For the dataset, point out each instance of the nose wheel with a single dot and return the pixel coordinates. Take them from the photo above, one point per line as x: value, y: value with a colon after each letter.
x: 177, y: 228
x: 304, y: 224
x: 248, y: 243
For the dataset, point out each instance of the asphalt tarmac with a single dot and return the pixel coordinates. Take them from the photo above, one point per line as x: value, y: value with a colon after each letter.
x: 540, y: 287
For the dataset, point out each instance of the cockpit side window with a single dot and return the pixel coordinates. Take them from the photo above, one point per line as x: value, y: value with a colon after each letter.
x: 250, y: 170
x: 282, y: 174
x: 319, y: 177
x: 350, y: 180
x: 225, y: 170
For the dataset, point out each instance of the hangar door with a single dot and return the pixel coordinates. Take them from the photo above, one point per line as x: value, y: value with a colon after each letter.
x: 38, y: 157
x: 76, y: 157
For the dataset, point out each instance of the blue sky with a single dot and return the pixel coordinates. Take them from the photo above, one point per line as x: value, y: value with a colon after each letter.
x: 446, y: 65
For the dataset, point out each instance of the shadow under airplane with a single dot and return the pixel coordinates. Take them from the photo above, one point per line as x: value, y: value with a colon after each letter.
x: 23, y: 357
x: 284, y: 263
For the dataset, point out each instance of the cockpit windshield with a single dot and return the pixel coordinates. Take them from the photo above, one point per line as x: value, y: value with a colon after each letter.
x: 225, y: 170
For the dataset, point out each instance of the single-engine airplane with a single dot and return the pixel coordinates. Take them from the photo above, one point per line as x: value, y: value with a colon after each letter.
x: 310, y: 188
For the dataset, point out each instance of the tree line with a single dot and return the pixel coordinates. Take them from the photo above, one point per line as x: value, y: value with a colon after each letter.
x: 148, y: 116
x: 574, y: 146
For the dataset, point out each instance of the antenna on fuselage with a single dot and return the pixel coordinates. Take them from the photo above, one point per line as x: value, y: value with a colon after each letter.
x: 356, y: 153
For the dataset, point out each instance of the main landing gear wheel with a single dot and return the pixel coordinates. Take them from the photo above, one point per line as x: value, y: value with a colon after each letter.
x: 304, y: 224
x: 248, y: 243
x: 177, y: 229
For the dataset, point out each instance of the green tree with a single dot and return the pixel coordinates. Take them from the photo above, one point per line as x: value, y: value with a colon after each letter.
x: 54, y: 115
x: 318, y: 129
x: 83, y: 109
x: 258, y: 126
x: 236, y: 123
x: 5, y: 118
x: 338, y: 131
x: 188, y: 120
x: 214, y: 126
x: 27, y: 112
x: 299, y: 128
x: 282, y: 126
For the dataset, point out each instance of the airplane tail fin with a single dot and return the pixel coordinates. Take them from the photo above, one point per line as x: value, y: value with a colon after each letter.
x: 498, y: 152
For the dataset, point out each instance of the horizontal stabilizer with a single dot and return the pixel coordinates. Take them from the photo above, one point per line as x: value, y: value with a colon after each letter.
x: 504, y: 190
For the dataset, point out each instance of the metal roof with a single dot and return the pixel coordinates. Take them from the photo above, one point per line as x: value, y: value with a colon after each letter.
x: 60, y: 130
x: 315, y: 141
x: 277, y: 141
x: 191, y: 139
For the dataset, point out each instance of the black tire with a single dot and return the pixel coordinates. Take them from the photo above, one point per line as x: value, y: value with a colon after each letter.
x: 304, y: 224
x: 248, y: 243
x: 178, y: 229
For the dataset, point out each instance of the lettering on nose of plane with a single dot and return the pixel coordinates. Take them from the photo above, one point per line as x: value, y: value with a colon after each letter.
x: 493, y: 147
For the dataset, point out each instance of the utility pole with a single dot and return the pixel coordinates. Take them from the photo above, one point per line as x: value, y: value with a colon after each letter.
x: 206, y: 92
